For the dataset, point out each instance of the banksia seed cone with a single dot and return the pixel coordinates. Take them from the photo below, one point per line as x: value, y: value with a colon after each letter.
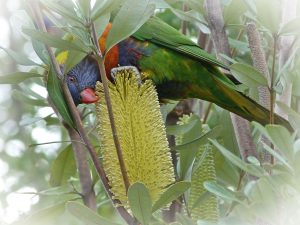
x: 141, y: 133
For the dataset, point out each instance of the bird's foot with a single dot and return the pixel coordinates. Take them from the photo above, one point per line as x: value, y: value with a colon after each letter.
x: 133, y: 69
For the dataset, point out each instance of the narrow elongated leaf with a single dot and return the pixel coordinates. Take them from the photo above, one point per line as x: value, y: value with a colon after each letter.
x: 132, y: 15
x: 54, y: 41
x: 184, y: 128
x: 281, y: 138
x: 140, y: 202
x: 251, y: 169
x: 294, y: 117
x: 61, y: 10
x: 172, y: 193
x: 63, y: 167
x: 291, y: 28
x: 85, y: 6
x: 56, y: 95
x: 45, y: 216
x: 17, y: 77
x: 248, y: 75
x: 28, y: 100
x: 86, y: 215
x: 221, y: 191
x: 104, y: 7
x: 278, y: 157
x: 20, y: 58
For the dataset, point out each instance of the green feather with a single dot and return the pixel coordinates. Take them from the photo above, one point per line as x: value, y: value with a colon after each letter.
x: 157, y: 31
x: 180, y: 69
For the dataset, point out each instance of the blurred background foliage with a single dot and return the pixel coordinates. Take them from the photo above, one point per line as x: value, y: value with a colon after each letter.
x: 34, y: 145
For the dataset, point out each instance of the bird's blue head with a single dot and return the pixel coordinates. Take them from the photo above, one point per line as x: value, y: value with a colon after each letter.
x: 81, y: 80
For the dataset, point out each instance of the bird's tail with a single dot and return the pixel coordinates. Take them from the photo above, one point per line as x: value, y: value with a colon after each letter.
x: 247, y: 108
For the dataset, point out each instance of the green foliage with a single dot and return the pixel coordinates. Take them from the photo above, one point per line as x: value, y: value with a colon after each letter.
x: 63, y: 167
x: 140, y: 202
x: 230, y: 189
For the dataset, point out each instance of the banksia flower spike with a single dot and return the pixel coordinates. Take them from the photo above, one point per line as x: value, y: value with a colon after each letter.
x: 141, y: 133
x: 203, y: 170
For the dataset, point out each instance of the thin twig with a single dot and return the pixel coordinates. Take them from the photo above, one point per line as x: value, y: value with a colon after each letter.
x: 101, y: 66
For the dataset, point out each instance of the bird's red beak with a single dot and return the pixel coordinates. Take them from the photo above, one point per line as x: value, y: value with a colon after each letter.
x: 88, y: 96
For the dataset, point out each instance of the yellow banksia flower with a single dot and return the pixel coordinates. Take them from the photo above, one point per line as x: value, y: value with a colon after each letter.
x: 141, y: 134
x: 203, y: 170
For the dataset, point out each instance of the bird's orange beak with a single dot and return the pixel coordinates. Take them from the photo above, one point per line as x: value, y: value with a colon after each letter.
x: 88, y: 96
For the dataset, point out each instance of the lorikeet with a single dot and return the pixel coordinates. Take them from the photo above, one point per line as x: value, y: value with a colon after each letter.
x: 176, y: 65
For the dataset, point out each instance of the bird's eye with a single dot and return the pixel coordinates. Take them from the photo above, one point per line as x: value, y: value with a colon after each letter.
x: 72, y: 79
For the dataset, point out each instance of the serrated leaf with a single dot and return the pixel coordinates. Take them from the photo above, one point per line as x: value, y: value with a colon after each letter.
x: 20, y: 58
x: 17, y: 77
x: 63, y: 167
x: 251, y: 169
x: 220, y: 191
x: 132, y: 15
x: 86, y: 215
x: 57, y: 97
x: 140, y: 202
x: 248, y: 75
x: 54, y: 41
x: 171, y: 194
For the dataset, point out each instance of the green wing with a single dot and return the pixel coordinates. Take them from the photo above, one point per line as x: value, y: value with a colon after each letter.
x: 158, y: 32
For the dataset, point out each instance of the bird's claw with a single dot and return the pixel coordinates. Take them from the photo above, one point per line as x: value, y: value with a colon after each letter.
x: 114, y: 71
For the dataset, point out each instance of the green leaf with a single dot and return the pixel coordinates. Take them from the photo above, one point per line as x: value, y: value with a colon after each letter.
x: 20, y: 58
x: 17, y: 77
x: 278, y: 157
x: 63, y: 167
x: 193, y: 17
x: 140, y: 202
x: 166, y: 109
x: 292, y: 27
x: 251, y: 169
x: 184, y: 128
x: 293, y: 116
x: 53, y: 41
x: 28, y: 100
x: 172, y: 193
x: 57, y: 97
x: 46, y: 216
x: 85, y: 6
x: 61, y: 10
x: 86, y: 215
x: 132, y: 15
x: 281, y: 137
x: 221, y: 191
x: 268, y: 12
x: 104, y: 7
x: 248, y: 75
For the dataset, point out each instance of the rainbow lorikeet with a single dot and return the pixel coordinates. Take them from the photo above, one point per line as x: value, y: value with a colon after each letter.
x: 177, y: 66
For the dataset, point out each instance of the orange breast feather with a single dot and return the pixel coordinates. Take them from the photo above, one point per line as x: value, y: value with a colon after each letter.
x: 111, y: 57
